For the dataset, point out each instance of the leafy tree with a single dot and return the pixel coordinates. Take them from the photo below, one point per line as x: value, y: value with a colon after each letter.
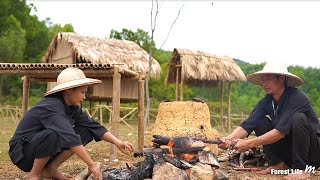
x: 54, y: 29
x: 12, y: 41
x: 140, y: 37
x: 12, y: 46
x: 23, y: 38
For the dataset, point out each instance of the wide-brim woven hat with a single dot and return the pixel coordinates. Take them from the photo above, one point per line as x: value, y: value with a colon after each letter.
x: 70, y: 78
x: 272, y: 68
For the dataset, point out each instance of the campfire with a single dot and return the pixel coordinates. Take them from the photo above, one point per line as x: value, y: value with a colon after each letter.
x: 181, y: 157
x: 185, y: 157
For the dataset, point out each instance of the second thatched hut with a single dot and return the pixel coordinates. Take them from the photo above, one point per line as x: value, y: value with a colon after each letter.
x: 197, y: 68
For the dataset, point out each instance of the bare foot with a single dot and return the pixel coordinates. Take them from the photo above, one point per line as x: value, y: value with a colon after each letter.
x: 279, y: 166
x: 53, y: 174
x: 32, y: 177
x: 297, y: 176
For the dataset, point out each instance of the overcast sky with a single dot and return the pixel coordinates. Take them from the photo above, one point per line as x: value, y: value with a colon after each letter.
x: 277, y: 31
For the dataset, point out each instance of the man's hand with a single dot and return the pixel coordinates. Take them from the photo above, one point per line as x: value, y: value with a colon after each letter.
x: 243, y: 145
x: 231, y: 139
x: 227, y: 143
x: 124, y: 146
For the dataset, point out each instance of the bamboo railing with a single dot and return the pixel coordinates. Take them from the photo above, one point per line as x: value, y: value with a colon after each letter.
x: 13, y: 112
x: 128, y: 113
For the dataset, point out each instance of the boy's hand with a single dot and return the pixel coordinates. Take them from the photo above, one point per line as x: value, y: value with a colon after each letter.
x: 96, y: 172
x: 125, y: 147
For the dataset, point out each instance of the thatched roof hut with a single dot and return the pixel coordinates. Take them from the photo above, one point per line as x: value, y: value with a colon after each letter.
x: 202, y: 69
x: 72, y: 48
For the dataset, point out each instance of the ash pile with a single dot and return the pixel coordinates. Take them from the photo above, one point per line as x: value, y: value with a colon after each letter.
x: 181, y: 157
x: 253, y: 159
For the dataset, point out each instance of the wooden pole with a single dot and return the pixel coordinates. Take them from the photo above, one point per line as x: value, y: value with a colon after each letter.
x: 229, y: 106
x: 25, y: 94
x: 177, y: 82
x: 221, y: 105
x: 115, y: 111
x: 140, y: 113
x: 110, y: 113
x: 100, y: 112
x: 181, y: 83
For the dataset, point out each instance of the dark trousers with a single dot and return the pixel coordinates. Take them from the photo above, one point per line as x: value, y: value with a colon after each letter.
x: 298, y: 148
x: 46, y: 143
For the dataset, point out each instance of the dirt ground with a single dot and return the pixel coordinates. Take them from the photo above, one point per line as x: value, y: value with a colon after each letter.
x: 99, y: 151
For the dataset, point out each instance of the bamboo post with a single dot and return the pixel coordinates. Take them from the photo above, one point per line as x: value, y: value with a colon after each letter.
x: 25, y: 94
x: 115, y: 111
x: 100, y: 112
x: 229, y: 106
x: 110, y: 112
x: 177, y: 82
x: 181, y: 83
x: 221, y: 105
x: 141, y: 127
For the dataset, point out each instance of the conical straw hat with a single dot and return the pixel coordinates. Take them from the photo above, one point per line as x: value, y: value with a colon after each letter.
x: 70, y: 78
x: 272, y: 68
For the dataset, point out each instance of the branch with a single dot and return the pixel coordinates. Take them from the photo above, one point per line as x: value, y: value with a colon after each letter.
x: 169, y: 31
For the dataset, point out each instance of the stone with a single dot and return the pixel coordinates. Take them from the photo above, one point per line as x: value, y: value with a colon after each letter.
x: 201, y: 172
x: 165, y: 171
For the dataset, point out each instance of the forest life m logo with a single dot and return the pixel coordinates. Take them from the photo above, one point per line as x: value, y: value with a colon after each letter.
x: 309, y: 169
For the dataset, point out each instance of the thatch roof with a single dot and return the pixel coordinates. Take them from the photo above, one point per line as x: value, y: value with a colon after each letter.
x: 202, y: 69
x: 88, y: 49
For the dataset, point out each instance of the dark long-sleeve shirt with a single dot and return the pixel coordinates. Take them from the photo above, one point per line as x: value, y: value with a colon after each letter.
x: 53, y: 113
x: 291, y: 101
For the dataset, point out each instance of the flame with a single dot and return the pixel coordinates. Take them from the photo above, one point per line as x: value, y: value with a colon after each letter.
x: 186, y: 156
x: 170, y: 144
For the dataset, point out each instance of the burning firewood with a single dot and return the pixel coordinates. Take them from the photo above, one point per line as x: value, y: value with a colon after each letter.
x: 183, y: 141
x: 183, y: 152
x: 158, y: 153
